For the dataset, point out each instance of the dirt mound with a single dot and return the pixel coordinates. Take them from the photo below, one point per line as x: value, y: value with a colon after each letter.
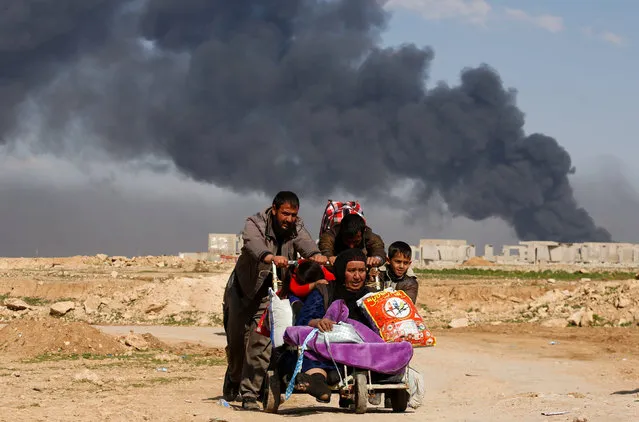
x: 186, y: 348
x: 33, y: 337
x: 168, y: 299
x: 477, y: 261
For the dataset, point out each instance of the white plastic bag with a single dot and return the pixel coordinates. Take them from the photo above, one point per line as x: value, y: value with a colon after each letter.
x: 342, y: 332
x: 415, y: 388
x: 280, y: 317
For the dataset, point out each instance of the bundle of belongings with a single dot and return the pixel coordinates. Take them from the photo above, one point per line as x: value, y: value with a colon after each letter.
x: 396, y: 318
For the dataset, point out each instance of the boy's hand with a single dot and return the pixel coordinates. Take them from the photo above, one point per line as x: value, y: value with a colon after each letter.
x: 374, y: 261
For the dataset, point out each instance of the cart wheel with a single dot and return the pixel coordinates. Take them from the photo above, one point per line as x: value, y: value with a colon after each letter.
x: 360, y: 385
x: 399, y: 400
x: 272, y: 395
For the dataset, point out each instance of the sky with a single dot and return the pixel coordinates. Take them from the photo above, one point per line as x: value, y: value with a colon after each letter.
x: 571, y: 62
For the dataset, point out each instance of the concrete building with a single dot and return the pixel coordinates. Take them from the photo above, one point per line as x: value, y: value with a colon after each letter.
x: 221, y: 246
x: 442, y: 250
x: 452, y: 251
x: 224, y: 244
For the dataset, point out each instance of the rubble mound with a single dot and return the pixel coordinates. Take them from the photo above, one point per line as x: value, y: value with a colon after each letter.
x: 154, y: 342
x: 577, y: 303
x: 143, y: 342
x: 34, y: 337
x: 596, y: 303
x: 477, y: 261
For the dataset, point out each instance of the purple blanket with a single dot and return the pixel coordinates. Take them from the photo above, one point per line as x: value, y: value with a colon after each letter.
x: 375, y: 354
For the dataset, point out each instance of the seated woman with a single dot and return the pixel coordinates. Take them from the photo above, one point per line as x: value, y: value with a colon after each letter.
x: 321, y: 313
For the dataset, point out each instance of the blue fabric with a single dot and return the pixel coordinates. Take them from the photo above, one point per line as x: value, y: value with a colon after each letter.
x: 298, y: 365
x: 308, y: 364
x: 292, y: 298
x: 313, y: 308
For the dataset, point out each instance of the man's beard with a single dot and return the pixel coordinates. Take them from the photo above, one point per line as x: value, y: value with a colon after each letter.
x: 282, y: 232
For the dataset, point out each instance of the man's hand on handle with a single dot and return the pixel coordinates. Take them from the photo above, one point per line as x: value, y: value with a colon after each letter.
x: 280, y: 261
x: 320, y: 259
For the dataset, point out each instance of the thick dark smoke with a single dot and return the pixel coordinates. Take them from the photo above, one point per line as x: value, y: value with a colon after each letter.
x: 262, y: 96
x: 37, y: 37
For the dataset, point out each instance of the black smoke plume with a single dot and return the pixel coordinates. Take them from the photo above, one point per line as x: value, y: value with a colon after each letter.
x: 258, y: 95
x: 37, y: 38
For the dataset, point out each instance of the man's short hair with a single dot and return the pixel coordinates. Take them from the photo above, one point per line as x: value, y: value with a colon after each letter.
x: 286, y: 197
x: 400, y: 247
x: 351, y: 225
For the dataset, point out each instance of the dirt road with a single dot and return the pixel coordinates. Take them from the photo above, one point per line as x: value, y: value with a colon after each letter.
x: 515, y: 360
x: 470, y: 376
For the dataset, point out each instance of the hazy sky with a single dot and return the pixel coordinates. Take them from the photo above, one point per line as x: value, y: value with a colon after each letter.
x: 572, y: 63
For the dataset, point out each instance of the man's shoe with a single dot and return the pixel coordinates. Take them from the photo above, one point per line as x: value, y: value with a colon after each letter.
x: 231, y: 397
x: 230, y: 390
x: 250, y: 403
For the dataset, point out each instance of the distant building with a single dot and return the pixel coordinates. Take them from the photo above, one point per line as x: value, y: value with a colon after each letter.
x: 224, y: 244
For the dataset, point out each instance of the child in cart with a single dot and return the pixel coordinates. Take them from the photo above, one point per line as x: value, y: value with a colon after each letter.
x: 308, y: 276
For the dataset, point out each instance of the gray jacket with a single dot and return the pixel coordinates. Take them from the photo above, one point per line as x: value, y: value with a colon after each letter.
x: 259, y: 241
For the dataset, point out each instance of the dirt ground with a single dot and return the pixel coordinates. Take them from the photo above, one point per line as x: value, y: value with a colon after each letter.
x: 522, y: 347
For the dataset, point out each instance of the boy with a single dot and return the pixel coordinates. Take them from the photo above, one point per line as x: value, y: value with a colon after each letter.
x: 396, y: 273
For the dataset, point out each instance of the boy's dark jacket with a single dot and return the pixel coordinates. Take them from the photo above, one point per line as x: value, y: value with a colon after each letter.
x: 408, y: 284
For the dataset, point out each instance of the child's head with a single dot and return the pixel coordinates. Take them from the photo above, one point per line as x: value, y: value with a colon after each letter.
x: 309, y: 272
x: 399, y: 257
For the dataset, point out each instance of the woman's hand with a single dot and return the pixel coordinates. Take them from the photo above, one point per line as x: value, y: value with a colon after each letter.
x: 323, y: 324
x: 316, y: 283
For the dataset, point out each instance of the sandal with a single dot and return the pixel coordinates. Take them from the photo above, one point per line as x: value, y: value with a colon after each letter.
x: 315, y: 385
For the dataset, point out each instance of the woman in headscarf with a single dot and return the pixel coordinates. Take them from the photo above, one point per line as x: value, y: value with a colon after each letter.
x: 349, y: 286
x: 319, y: 369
